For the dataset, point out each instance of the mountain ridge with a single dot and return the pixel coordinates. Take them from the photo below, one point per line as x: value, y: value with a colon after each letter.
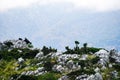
x: 19, y: 60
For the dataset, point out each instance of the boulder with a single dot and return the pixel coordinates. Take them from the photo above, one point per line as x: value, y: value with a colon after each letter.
x: 104, y: 57
x: 20, y: 51
x: 70, y: 64
x: 102, y: 53
x: 110, y: 65
x: 39, y: 55
x: 82, y: 77
x: 97, y: 76
x: 57, y: 54
x: 37, y: 72
x: 20, y: 60
x: 114, y: 74
x: 97, y: 69
x: 64, y: 78
x: 40, y: 69
x: 84, y: 57
x: 58, y: 68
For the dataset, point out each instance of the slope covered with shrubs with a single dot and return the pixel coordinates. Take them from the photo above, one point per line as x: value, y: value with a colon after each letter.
x: 19, y: 60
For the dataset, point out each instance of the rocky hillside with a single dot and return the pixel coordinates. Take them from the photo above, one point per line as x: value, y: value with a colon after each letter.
x: 20, y: 61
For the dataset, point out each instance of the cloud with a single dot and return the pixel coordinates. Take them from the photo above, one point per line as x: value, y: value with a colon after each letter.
x: 52, y: 27
x: 97, y: 5
x: 94, y: 5
x: 11, y: 4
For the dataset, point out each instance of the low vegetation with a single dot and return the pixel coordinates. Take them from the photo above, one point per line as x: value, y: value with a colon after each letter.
x: 11, y: 69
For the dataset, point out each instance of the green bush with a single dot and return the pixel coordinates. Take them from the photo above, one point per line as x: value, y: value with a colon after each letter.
x: 24, y: 77
x: 73, y: 74
x: 47, y: 50
x: 9, y: 44
x: 14, y: 54
x: 117, y: 67
x: 82, y: 50
x: 112, y: 60
x: 47, y: 76
x: 82, y: 63
x: 6, y: 55
x: 30, y: 53
x: 94, y: 60
x: 92, y: 49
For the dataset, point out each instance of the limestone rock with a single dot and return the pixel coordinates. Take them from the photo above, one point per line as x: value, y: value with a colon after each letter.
x: 64, y: 78
x: 104, y: 57
x: 58, y: 68
x: 39, y: 55
x: 20, y: 60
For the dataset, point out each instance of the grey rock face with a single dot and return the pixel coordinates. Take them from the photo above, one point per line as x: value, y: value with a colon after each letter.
x: 84, y: 57
x: 82, y: 77
x: 64, y: 78
x: 70, y: 64
x: 57, y: 54
x: 37, y: 72
x: 114, y: 74
x: 115, y: 55
x: 65, y: 57
x: 64, y: 62
x: 17, y: 43
x: 58, y: 68
x: 20, y: 60
x: 39, y: 55
x: 20, y: 51
x: 97, y: 69
x: 97, y: 76
x: 104, y: 57
x: 40, y: 69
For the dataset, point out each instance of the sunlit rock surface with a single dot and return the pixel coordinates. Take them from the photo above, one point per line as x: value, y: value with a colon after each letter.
x: 104, y: 57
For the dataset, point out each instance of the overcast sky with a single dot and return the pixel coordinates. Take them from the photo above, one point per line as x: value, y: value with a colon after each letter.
x: 59, y: 23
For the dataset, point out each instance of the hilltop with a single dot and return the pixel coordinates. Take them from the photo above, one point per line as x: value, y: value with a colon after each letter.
x: 19, y: 60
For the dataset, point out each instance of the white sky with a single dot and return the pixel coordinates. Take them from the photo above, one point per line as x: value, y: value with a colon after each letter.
x: 95, y: 5
x: 49, y: 22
